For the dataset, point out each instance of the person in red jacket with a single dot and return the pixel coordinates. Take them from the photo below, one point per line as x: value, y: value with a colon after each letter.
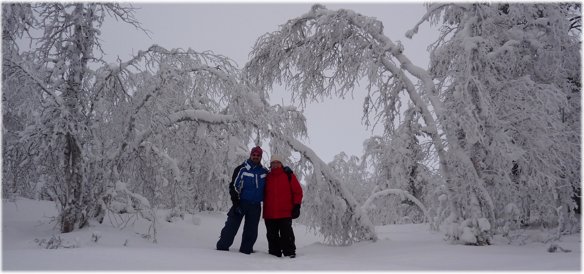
x: 282, y: 198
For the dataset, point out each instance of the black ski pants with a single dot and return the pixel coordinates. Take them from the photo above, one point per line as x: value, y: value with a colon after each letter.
x: 251, y: 212
x: 280, y: 237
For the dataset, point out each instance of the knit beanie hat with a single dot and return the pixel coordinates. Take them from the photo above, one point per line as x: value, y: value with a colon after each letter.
x: 256, y: 149
x: 276, y: 157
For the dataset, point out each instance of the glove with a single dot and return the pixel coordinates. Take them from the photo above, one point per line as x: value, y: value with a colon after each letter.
x: 238, y: 210
x: 295, y: 211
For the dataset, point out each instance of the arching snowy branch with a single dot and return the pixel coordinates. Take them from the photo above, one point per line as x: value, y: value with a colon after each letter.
x: 399, y: 192
x: 365, y: 229
x: 348, y: 46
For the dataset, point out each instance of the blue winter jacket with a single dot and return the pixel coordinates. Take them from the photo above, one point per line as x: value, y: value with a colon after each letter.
x: 250, y: 181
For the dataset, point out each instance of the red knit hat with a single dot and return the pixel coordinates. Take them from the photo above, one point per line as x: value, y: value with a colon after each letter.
x: 256, y: 149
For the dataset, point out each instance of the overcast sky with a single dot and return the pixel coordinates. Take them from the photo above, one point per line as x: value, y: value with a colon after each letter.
x: 231, y: 29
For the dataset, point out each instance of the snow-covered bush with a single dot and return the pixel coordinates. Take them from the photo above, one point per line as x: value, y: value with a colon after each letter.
x: 55, y: 242
x: 95, y: 236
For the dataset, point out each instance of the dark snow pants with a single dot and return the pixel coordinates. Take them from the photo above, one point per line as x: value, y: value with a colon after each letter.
x: 251, y: 212
x: 280, y: 237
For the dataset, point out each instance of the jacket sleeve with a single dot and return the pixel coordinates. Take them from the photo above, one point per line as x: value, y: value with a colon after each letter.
x: 296, y: 191
x: 232, y: 190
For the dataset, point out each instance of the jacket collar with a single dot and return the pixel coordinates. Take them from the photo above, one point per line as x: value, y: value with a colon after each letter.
x: 249, y: 164
x: 277, y: 170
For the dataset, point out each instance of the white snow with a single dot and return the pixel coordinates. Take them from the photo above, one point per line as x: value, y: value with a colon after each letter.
x: 189, y: 245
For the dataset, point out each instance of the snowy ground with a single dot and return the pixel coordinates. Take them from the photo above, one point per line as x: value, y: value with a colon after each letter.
x: 188, y: 245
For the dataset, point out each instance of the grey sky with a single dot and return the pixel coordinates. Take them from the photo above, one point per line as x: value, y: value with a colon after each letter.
x: 231, y: 29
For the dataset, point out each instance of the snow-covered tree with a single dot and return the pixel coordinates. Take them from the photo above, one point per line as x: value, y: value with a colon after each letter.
x: 58, y: 133
x: 16, y: 20
x: 400, y: 162
x: 489, y: 141
x: 507, y: 76
x: 488, y: 67
x: 162, y: 129
x: 325, y: 53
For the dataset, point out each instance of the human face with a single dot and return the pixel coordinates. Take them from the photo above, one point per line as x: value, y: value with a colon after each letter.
x: 275, y: 164
x: 255, y: 158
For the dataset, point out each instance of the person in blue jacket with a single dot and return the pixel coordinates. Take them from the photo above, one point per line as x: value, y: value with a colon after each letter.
x: 247, y: 192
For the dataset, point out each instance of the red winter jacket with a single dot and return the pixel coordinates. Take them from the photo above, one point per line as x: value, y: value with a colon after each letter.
x: 280, y: 195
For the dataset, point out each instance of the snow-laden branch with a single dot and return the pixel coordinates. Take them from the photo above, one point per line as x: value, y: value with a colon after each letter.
x: 432, y: 8
x: 358, y: 213
x: 121, y: 200
x: 164, y: 75
x: 171, y: 162
x: 191, y: 115
x: 198, y: 115
x: 131, y: 123
x: 430, y: 93
x: 402, y: 193
x: 431, y: 124
x: 57, y: 99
